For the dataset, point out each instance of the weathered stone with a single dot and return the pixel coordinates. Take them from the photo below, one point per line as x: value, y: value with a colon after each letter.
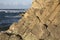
x: 14, y: 37
x: 9, y: 36
x: 40, y: 22
x: 4, y: 36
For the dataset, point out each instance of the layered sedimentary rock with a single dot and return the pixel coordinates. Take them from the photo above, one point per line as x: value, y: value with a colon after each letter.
x: 40, y: 22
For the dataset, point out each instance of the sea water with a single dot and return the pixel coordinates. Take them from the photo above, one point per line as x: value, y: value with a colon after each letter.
x: 8, y: 17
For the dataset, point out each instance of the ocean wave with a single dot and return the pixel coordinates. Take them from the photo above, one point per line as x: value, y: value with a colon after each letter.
x: 12, y: 11
x: 12, y: 16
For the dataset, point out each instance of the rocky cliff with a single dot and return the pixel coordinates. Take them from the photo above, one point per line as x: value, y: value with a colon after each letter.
x: 40, y: 22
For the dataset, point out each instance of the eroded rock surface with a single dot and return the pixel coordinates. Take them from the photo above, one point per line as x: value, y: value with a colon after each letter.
x: 40, y: 22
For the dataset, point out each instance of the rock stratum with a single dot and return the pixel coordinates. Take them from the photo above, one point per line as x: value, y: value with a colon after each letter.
x: 40, y: 22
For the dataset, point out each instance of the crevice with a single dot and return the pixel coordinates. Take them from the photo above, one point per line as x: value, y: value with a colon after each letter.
x: 41, y: 39
x: 10, y: 34
x: 55, y: 25
x: 59, y: 2
x: 19, y: 37
x: 45, y: 25
x: 38, y: 18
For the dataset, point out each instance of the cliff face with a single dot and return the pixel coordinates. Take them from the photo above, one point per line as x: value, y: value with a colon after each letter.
x: 40, y: 22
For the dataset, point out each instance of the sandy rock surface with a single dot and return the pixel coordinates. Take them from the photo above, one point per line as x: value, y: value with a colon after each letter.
x: 40, y: 22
